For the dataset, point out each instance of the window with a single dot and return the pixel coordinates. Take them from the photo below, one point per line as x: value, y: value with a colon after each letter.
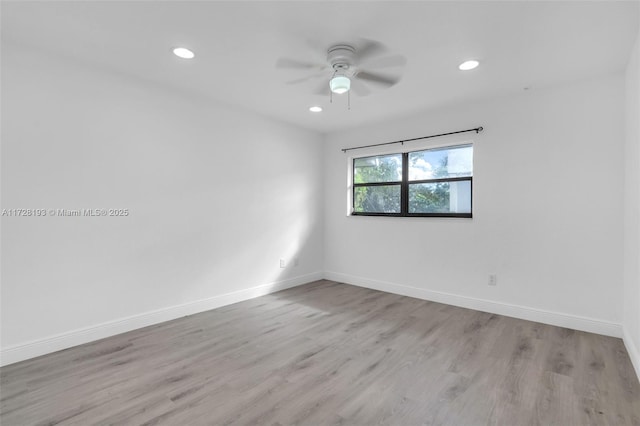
x: 434, y: 182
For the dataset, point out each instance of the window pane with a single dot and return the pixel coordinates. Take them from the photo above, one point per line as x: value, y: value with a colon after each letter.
x: 440, y: 197
x: 383, y: 168
x: 377, y: 199
x: 441, y: 163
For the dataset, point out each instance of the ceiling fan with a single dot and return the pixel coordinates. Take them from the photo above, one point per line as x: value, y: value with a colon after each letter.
x: 348, y: 68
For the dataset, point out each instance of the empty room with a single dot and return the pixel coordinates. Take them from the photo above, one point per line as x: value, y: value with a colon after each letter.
x: 320, y: 212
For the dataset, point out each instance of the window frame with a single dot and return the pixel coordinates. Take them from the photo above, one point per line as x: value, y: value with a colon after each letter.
x: 405, y: 183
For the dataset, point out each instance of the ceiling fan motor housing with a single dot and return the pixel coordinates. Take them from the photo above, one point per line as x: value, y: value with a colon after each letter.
x: 341, y: 56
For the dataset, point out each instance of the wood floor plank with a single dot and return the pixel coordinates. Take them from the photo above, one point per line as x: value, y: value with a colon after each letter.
x: 328, y: 353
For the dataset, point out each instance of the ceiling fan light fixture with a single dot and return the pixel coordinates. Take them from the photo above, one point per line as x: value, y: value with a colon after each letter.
x: 340, y: 84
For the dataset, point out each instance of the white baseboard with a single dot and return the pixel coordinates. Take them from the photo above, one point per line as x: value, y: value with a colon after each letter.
x: 72, y: 338
x: 66, y: 340
x: 531, y: 314
x: 633, y: 350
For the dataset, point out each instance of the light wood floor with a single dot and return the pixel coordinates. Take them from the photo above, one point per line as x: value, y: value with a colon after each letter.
x: 329, y: 353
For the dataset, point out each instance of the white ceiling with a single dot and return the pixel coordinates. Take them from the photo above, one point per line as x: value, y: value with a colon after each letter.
x: 519, y: 44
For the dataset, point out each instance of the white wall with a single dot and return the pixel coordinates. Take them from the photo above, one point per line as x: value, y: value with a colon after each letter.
x: 547, y: 197
x: 217, y: 196
x: 632, y: 209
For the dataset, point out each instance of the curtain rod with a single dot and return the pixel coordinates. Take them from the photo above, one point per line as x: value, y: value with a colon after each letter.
x: 477, y: 130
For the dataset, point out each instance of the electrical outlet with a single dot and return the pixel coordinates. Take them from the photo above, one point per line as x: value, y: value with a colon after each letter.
x: 493, y: 279
x: 283, y: 263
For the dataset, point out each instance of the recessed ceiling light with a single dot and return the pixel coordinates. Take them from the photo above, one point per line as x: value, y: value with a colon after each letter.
x: 315, y: 109
x: 183, y: 52
x: 468, y: 65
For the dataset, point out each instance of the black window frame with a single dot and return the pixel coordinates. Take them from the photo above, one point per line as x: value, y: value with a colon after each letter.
x: 404, y: 187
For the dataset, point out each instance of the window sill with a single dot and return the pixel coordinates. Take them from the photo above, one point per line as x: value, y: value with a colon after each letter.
x: 453, y: 215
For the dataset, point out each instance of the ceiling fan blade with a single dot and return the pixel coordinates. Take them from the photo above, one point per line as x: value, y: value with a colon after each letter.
x: 377, y: 78
x: 308, y: 78
x: 369, y: 48
x: 359, y: 88
x: 322, y: 89
x: 386, y: 62
x: 295, y: 64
